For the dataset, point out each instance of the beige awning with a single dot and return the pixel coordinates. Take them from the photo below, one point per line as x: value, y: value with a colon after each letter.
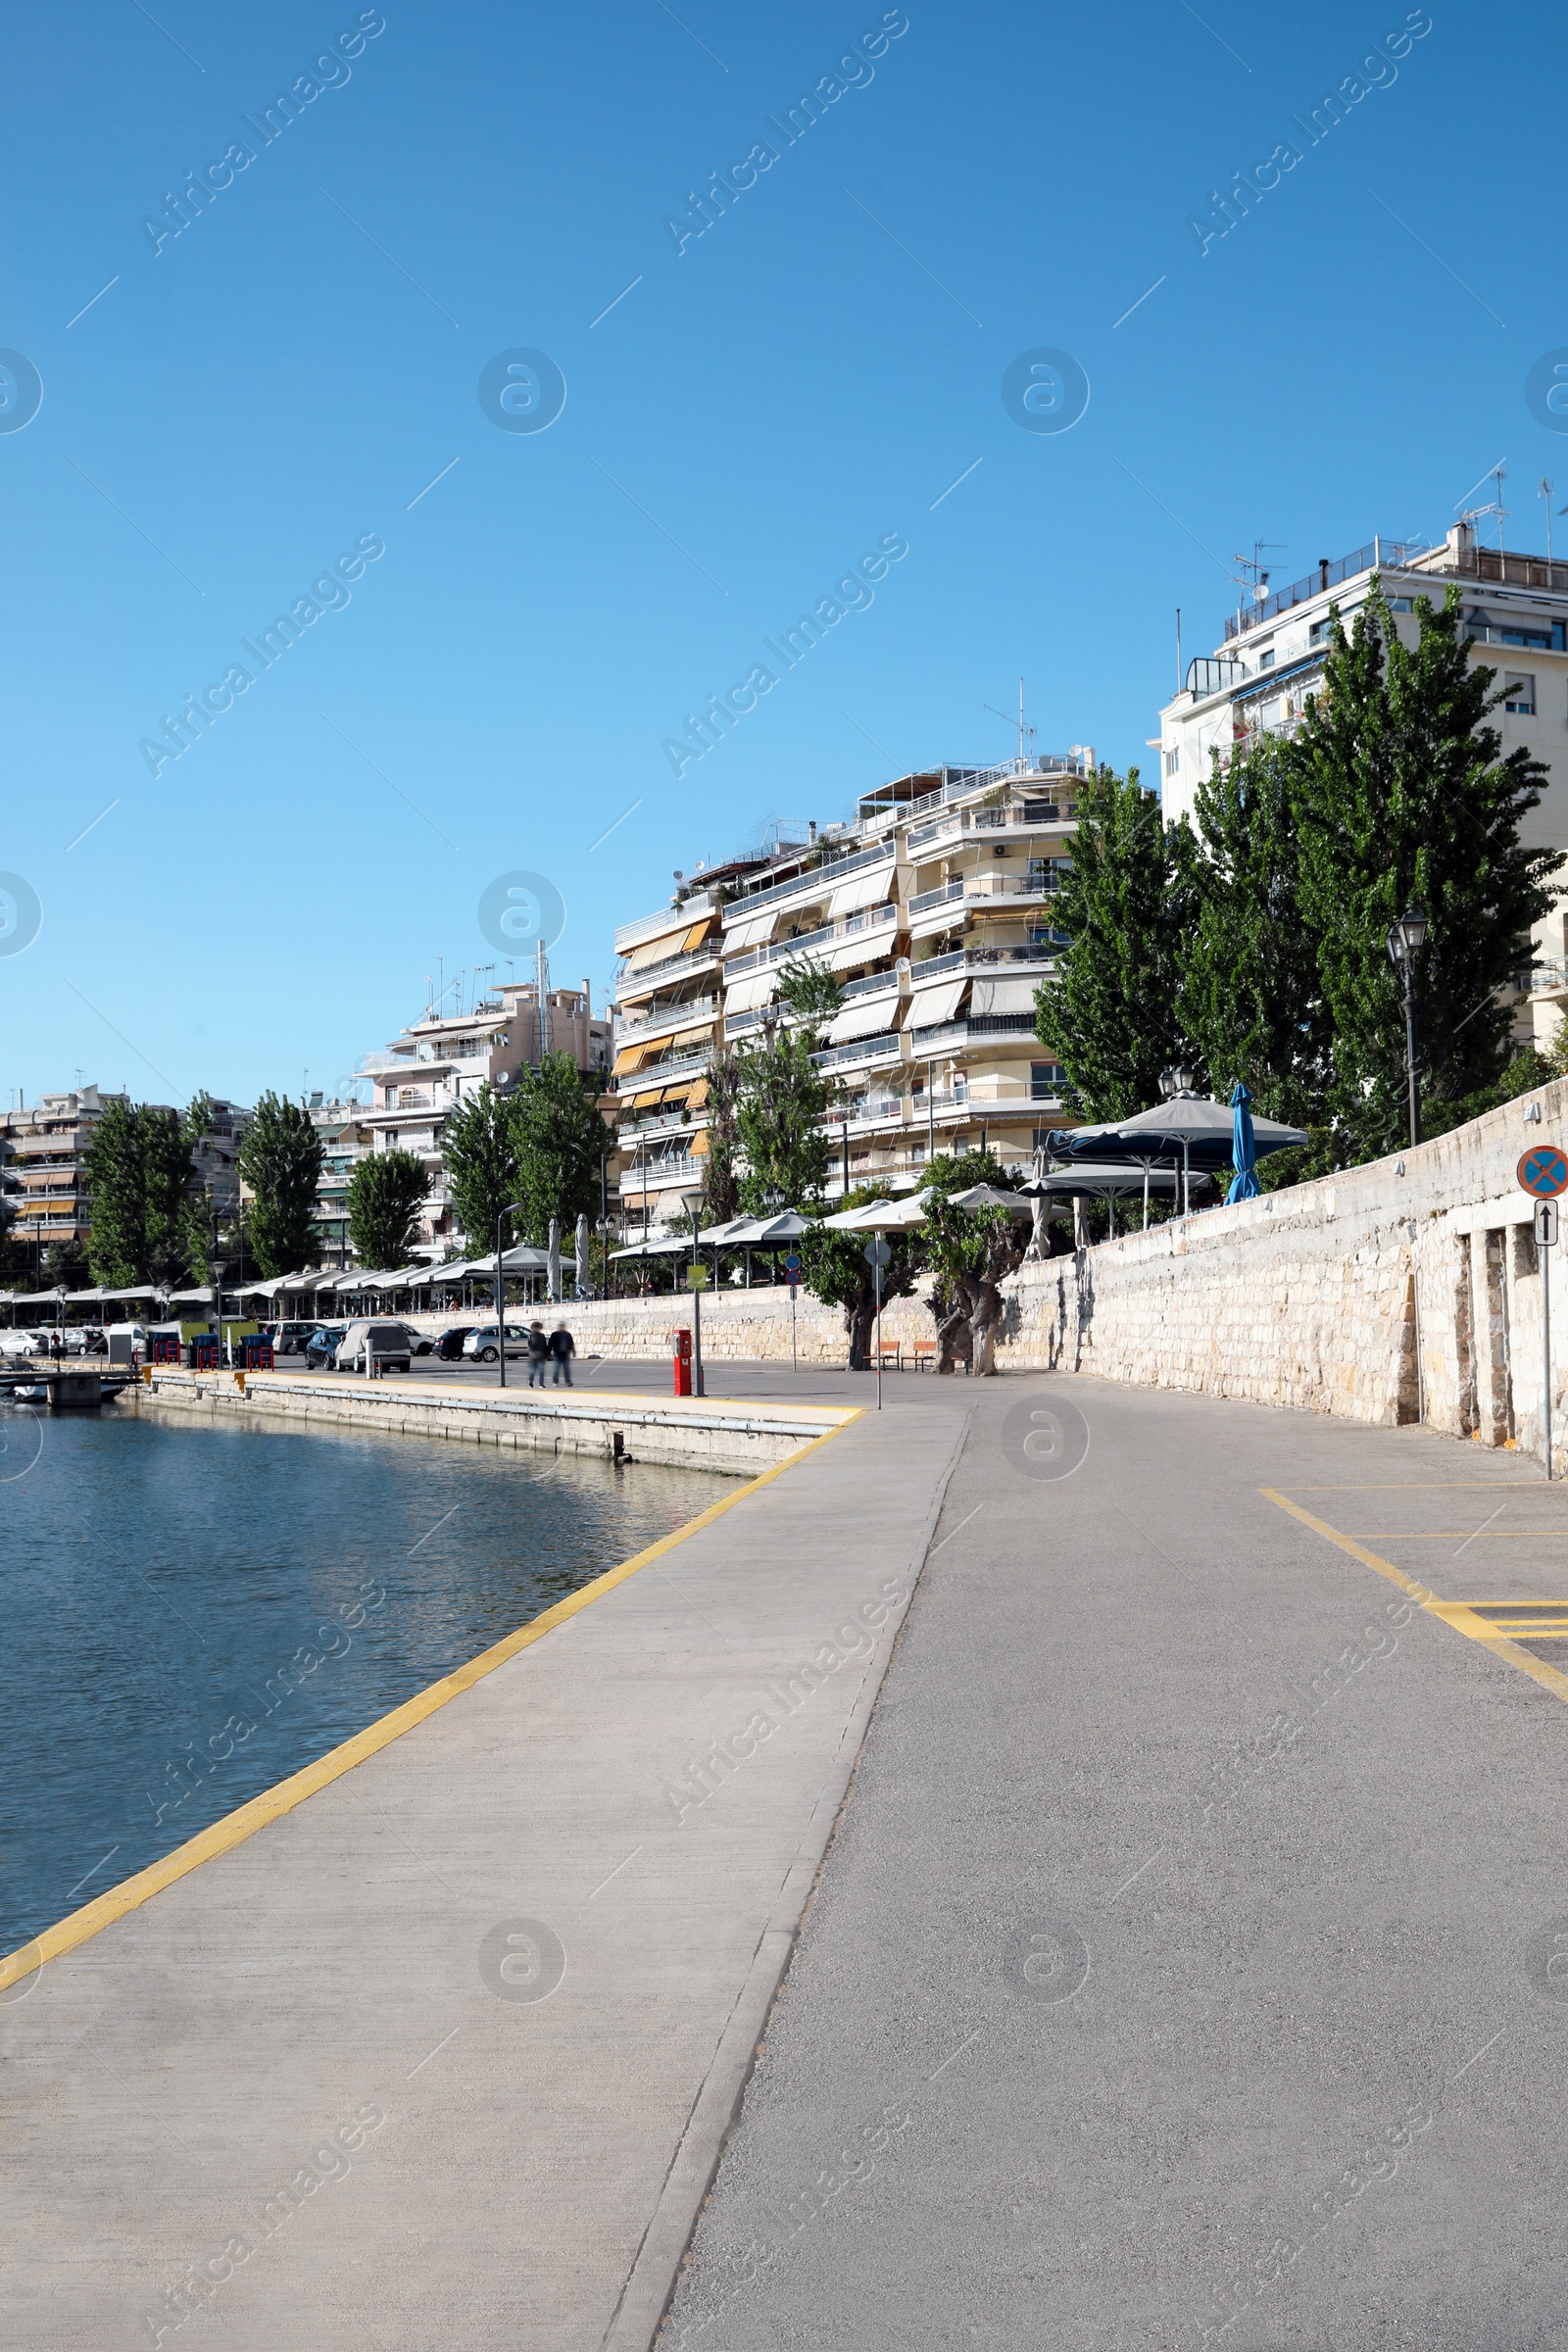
x: 631, y: 1057
x: 861, y: 890
x: 939, y: 1002
x: 749, y: 931
x: 1010, y: 995
x: 697, y: 934
x: 750, y: 991
x: 658, y: 951
x: 864, y: 1016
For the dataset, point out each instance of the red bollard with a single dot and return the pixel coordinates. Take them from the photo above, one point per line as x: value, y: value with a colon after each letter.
x: 683, y: 1363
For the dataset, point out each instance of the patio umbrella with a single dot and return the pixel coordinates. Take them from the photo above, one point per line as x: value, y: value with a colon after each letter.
x: 1191, y: 1129
x: 1244, y: 1154
x: 990, y: 1196
x: 580, y: 1269
x: 553, y: 1259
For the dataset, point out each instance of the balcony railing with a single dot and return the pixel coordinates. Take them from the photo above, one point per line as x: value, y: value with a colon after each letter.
x: 1049, y: 766
x: 1018, y: 815
x: 672, y: 967
x: 819, y: 879
x: 808, y: 942
x: 672, y: 1016
x: 980, y: 886
x: 978, y: 1028
x: 863, y: 1049
x: 674, y: 1072
x: 668, y: 918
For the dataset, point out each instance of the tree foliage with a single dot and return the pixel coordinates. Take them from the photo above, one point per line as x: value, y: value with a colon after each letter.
x: 1109, y: 1014
x: 145, y: 1196
x: 557, y: 1137
x: 386, y: 1191
x: 837, y: 1270
x: 1248, y: 997
x: 478, y: 1145
x: 280, y: 1160
x: 1400, y: 793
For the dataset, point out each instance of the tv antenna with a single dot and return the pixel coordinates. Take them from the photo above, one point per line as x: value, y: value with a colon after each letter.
x: 1250, y: 575
x: 1544, y: 491
x: 1026, y: 734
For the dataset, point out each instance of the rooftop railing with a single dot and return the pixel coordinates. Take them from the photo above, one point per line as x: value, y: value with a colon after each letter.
x: 1377, y: 553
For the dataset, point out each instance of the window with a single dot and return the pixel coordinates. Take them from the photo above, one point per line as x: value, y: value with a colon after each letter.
x: 1318, y: 634
x: 1046, y: 1080
x: 1173, y: 759
x: 1266, y: 660
x: 1519, y: 693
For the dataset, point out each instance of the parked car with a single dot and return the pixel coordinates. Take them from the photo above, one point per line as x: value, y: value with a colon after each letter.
x: 419, y: 1342
x: 388, y: 1342
x: 480, y: 1345
x: 321, y: 1349
x: 22, y: 1343
x: 449, y: 1347
x: 290, y: 1339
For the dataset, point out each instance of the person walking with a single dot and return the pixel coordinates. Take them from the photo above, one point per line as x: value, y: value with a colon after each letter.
x: 538, y: 1356
x: 562, y: 1347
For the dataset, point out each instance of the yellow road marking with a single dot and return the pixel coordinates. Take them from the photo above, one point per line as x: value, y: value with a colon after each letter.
x: 1439, y: 1535
x: 221, y: 1836
x: 1461, y: 1615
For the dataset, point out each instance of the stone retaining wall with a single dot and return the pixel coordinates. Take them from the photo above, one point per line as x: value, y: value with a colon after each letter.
x: 1407, y: 1290
x: 738, y: 1326
x: 695, y: 1434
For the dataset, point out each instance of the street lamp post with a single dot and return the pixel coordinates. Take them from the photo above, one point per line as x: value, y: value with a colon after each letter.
x: 1405, y: 939
x: 694, y: 1208
x: 502, y: 1215
x: 215, y: 1266
x: 1180, y: 1079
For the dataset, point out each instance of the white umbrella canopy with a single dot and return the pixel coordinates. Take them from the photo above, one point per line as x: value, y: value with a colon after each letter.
x: 990, y: 1196
x: 880, y: 1216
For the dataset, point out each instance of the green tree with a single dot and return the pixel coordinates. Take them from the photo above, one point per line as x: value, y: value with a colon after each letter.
x: 281, y: 1159
x: 117, y: 1193
x: 1249, y: 997
x: 969, y: 1250
x: 478, y: 1145
x: 837, y: 1270
x: 783, y: 1097
x: 557, y: 1137
x: 1109, y: 1014
x: 385, y: 1192
x: 721, y: 1182
x: 1401, y: 794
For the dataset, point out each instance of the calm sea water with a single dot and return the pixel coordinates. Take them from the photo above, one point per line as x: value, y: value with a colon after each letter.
x: 188, y: 1614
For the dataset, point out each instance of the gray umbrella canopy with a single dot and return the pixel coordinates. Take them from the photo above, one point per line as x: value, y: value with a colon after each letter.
x: 1190, y: 1126
x: 1103, y: 1180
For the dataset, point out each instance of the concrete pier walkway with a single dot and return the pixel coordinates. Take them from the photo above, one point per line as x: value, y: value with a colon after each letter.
x: 443, y: 2055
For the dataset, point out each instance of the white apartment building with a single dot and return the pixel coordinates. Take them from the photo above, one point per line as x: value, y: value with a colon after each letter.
x: 933, y: 909
x: 1255, y: 682
x: 438, y: 1061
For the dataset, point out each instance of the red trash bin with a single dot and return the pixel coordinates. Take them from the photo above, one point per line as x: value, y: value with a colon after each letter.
x: 683, y: 1363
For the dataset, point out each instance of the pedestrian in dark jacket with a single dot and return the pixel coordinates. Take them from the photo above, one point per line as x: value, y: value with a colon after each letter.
x: 562, y: 1347
x: 538, y: 1356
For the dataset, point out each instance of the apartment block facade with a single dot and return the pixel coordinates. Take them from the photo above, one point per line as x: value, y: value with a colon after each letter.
x: 933, y: 909
x: 438, y: 1062
x: 43, y: 1164
x: 1257, y: 682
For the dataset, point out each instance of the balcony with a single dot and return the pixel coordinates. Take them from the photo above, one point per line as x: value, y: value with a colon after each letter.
x: 980, y: 889
x: 873, y: 920
x: 816, y: 882
x: 978, y: 1029
x: 1019, y: 817
x: 668, y: 918
x: 862, y: 1048
x: 659, y: 975
x: 665, y: 1021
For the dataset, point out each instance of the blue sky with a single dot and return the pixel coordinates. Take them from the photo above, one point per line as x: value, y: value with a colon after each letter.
x: 280, y: 381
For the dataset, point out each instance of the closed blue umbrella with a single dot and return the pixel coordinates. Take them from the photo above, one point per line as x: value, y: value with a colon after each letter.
x: 1244, y: 1152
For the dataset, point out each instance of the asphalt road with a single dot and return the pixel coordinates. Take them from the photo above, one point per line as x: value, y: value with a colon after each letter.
x: 1191, y: 1962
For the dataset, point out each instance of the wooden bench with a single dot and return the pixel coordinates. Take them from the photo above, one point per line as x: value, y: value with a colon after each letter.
x: 924, y: 1351
x: 891, y: 1353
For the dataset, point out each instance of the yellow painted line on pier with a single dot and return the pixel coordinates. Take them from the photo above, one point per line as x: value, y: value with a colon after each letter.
x: 1463, y: 1616
x: 220, y: 1837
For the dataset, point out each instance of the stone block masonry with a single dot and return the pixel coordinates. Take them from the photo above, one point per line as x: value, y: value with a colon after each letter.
x: 1406, y: 1291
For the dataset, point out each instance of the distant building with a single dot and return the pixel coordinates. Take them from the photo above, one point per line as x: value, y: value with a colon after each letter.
x: 43, y: 1164
x: 933, y: 909
x: 346, y: 1134
x: 441, y: 1060
x: 43, y: 1174
x: 1255, y: 683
